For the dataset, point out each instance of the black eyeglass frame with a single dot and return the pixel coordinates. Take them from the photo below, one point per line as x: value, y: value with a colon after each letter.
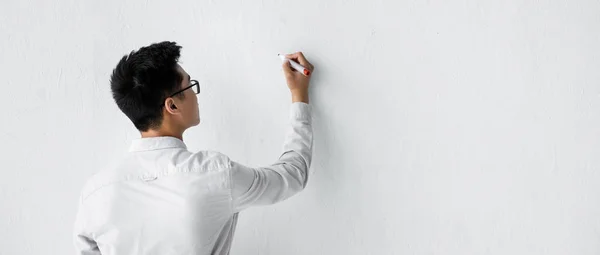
x: 193, y: 82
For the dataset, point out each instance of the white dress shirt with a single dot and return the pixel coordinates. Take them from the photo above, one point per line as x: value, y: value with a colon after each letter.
x: 163, y: 199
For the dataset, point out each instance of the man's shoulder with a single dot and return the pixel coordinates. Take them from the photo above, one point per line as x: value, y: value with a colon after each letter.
x: 126, y: 169
x: 105, y: 177
x: 209, y: 160
x: 114, y: 171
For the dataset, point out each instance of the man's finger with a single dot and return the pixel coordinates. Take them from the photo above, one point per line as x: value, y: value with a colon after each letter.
x: 302, y: 59
x: 295, y: 56
x: 292, y: 56
x: 299, y: 58
x: 287, y: 68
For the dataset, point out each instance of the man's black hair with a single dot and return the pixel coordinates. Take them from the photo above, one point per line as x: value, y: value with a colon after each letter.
x: 143, y: 79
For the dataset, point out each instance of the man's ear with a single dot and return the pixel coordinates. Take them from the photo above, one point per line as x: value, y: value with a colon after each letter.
x: 171, y: 107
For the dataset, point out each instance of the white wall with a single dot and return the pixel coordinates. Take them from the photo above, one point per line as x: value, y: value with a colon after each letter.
x: 441, y: 127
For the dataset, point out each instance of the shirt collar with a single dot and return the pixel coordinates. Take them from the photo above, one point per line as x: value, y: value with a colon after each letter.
x: 156, y: 143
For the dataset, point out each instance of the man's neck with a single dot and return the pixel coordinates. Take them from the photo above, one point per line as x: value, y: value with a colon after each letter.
x: 158, y: 133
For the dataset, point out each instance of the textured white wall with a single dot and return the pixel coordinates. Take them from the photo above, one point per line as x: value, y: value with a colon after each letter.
x: 441, y: 127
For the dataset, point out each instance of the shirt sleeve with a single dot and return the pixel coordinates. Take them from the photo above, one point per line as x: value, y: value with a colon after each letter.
x: 83, y: 242
x: 284, y: 178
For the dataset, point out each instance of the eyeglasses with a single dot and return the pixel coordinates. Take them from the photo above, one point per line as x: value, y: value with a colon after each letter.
x: 195, y: 86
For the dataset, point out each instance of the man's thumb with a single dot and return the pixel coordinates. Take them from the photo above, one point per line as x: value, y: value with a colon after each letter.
x: 287, y: 68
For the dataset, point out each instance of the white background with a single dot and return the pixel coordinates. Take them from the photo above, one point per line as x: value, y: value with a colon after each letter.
x: 441, y: 127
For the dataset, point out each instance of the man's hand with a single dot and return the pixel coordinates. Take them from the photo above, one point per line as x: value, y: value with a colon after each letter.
x: 296, y: 81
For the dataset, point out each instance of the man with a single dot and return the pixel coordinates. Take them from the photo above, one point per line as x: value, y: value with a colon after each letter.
x: 163, y: 199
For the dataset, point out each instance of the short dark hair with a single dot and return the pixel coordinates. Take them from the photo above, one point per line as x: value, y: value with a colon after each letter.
x: 143, y: 79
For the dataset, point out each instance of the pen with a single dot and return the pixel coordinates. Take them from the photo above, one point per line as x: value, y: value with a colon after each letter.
x: 295, y: 65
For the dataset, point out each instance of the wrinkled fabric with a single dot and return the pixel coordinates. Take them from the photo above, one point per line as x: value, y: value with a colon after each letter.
x: 163, y: 199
